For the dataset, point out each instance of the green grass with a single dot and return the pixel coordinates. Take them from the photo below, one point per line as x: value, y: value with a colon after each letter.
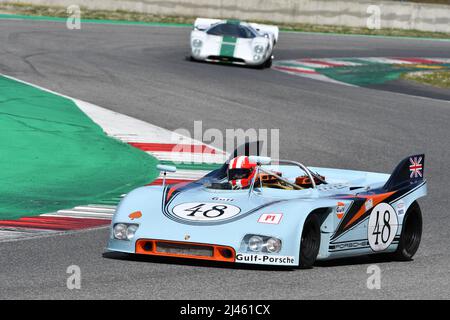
x: 439, y: 79
x: 53, y: 156
x: 87, y: 14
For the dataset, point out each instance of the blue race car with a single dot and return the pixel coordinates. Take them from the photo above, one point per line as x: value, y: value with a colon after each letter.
x: 257, y: 210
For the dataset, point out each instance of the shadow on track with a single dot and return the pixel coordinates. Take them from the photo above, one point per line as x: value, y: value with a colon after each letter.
x: 362, y: 260
x: 190, y: 262
x: 227, y: 64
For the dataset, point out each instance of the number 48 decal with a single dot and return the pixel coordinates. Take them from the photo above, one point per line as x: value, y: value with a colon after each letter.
x: 382, y: 228
x: 214, y: 212
x: 206, y: 211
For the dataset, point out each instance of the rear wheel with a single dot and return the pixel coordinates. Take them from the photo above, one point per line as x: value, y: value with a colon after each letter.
x: 310, y: 242
x: 411, y: 234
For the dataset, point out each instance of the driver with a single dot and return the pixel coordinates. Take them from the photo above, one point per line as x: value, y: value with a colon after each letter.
x: 241, y: 172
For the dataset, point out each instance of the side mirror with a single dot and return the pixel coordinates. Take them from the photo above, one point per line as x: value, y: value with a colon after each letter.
x: 260, y: 160
x: 165, y: 168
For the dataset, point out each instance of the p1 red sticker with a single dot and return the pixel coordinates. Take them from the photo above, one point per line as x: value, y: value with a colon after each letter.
x: 270, y: 218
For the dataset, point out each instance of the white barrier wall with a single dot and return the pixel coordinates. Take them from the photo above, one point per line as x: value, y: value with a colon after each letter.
x: 400, y: 15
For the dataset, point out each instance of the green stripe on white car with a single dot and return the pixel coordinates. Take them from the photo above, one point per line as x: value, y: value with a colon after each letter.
x: 228, y: 46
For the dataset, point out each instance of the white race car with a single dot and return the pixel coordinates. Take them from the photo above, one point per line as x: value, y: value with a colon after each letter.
x: 233, y: 41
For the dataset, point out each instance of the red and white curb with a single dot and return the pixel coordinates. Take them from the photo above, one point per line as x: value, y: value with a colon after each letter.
x: 310, y: 67
x: 152, y: 139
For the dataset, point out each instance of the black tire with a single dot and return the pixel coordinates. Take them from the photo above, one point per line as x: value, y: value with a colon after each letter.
x: 411, y: 234
x: 260, y: 66
x: 268, y: 63
x: 310, y: 242
x: 265, y: 64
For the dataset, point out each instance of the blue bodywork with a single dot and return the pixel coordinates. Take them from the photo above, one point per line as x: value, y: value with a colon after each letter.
x: 344, y: 206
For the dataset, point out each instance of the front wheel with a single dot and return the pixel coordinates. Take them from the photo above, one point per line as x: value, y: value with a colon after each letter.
x: 411, y: 234
x: 310, y: 242
x: 268, y: 63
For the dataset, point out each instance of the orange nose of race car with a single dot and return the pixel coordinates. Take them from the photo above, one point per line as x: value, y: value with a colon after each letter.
x: 185, y: 250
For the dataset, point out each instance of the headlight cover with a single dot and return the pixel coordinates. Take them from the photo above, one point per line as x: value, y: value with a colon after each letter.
x: 124, y: 231
x: 258, y: 49
x: 197, y: 43
x: 257, y: 57
x: 273, y: 245
x: 255, y: 243
x: 259, y: 243
x: 131, y: 231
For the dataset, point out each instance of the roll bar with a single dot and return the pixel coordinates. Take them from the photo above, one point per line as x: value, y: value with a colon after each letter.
x: 267, y: 160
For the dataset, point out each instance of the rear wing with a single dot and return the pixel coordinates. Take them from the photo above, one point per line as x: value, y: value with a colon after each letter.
x: 409, y: 170
x: 204, y: 23
x: 266, y: 28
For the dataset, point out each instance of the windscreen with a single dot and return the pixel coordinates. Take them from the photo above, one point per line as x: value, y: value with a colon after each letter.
x: 231, y: 30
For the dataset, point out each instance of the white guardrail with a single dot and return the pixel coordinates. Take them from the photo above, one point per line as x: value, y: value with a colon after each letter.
x: 363, y: 13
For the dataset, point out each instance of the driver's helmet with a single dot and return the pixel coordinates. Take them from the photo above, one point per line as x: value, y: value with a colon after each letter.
x: 241, y: 172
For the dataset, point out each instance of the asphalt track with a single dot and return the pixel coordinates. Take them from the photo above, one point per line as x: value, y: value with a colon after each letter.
x: 141, y: 71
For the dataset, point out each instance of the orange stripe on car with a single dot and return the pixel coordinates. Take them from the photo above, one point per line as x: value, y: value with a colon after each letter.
x: 174, y: 188
x: 376, y: 199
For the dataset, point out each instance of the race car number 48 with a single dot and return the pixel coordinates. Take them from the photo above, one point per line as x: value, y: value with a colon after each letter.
x: 205, y: 211
x: 383, y: 225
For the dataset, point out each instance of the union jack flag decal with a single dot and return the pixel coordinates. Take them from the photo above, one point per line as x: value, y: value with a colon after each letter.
x: 416, y: 167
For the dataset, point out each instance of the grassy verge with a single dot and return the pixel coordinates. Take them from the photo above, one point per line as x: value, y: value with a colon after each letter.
x: 54, y: 156
x: 439, y: 79
x: 87, y: 14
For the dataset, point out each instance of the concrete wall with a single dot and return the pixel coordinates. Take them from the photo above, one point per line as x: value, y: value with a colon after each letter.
x: 401, y: 15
